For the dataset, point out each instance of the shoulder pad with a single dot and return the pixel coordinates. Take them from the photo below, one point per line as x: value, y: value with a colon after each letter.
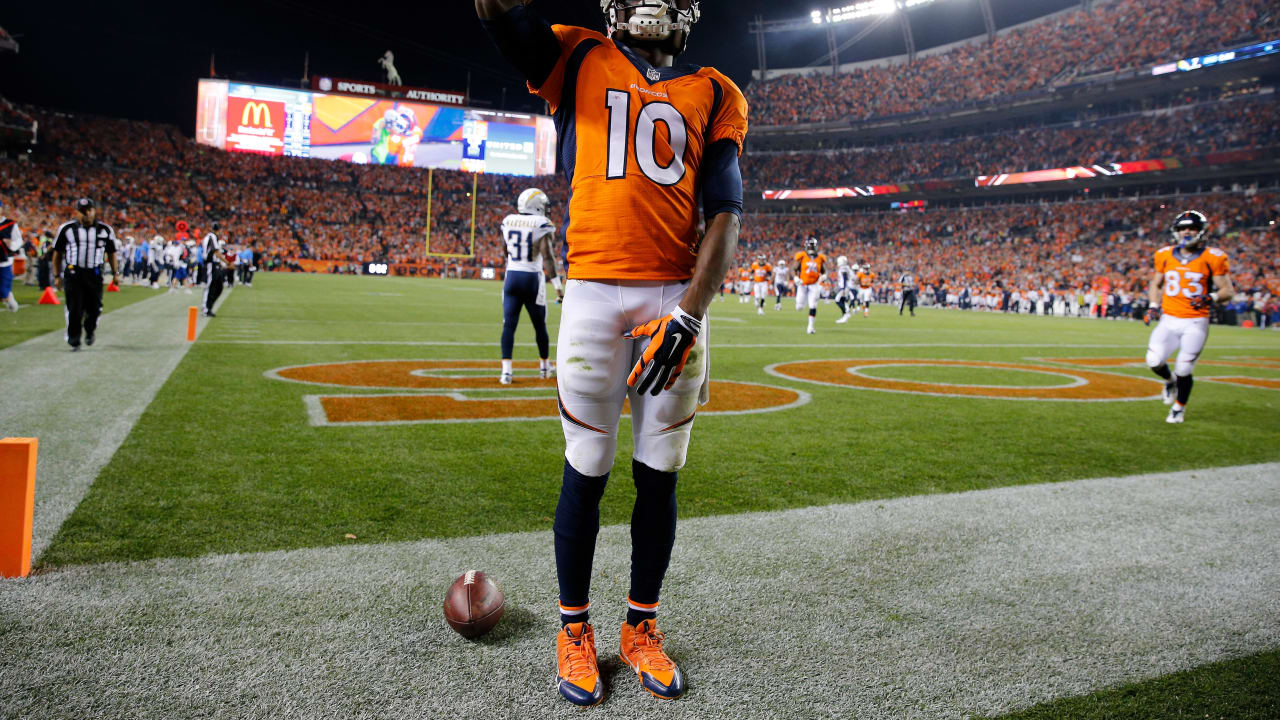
x: 1216, y: 251
x: 570, y: 35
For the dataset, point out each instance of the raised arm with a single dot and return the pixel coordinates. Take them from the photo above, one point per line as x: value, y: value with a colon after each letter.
x: 489, y: 9
x: 523, y: 37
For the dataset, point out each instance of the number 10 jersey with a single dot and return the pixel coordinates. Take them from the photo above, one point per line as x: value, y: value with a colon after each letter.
x: 631, y: 139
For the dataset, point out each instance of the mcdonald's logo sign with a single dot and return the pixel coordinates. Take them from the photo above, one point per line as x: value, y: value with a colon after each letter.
x: 260, y: 113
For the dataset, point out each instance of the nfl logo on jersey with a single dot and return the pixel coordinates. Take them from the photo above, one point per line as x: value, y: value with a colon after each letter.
x: 652, y: 74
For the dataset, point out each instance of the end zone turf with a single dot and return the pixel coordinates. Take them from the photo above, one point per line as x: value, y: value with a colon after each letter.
x: 928, y: 607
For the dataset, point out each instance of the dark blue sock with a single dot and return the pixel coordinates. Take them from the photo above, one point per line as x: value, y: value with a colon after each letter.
x: 1184, y: 388
x: 1163, y: 371
x: 653, y: 534
x: 576, y: 526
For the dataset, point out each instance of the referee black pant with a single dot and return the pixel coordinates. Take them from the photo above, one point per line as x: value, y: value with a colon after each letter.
x: 908, y: 301
x: 214, y: 288
x: 83, y: 289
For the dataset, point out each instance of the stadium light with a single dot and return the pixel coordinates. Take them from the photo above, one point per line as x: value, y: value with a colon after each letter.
x: 864, y: 9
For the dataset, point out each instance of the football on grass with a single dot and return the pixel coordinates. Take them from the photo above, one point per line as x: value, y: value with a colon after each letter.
x: 473, y: 604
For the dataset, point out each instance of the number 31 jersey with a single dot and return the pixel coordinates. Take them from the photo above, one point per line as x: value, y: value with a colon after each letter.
x: 631, y: 141
x: 523, y: 234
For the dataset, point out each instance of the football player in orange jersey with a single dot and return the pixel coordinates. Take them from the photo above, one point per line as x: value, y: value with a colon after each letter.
x: 810, y: 266
x: 865, y: 291
x: 744, y: 284
x: 760, y: 271
x: 643, y: 142
x: 1181, y: 292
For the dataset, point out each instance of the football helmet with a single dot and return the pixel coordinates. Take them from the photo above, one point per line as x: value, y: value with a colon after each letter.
x: 404, y: 120
x: 158, y: 239
x: 533, y: 202
x: 811, y: 245
x: 842, y: 261
x: 761, y: 259
x: 664, y: 24
x: 1190, y: 221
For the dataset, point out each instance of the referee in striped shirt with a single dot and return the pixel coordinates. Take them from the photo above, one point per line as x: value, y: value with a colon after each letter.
x: 78, y: 251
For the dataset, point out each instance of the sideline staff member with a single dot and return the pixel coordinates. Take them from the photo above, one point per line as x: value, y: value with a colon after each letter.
x: 82, y: 244
x: 216, y: 269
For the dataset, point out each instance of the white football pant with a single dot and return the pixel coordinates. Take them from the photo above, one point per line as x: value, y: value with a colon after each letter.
x: 593, y: 362
x: 761, y: 291
x: 1185, y: 335
x: 808, y: 293
x: 864, y: 295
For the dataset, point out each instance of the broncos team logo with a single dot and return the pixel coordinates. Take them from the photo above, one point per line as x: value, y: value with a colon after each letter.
x: 452, y: 391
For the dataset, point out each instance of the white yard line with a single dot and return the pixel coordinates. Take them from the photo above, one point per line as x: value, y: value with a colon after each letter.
x: 921, y: 607
x: 82, y: 405
x: 1136, y: 348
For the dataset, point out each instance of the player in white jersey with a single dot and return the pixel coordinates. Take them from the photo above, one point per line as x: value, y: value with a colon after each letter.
x: 846, y: 280
x: 174, y: 263
x: 130, y: 248
x: 780, y: 274
x: 155, y: 259
x: 529, y: 237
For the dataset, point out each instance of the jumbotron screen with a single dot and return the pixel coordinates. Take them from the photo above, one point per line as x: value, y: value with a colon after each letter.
x: 372, y: 130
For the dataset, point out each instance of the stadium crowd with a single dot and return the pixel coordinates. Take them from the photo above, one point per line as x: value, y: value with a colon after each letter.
x: 1204, y: 128
x: 1095, y: 247
x: 1055, y: 51
x: 332, y: 216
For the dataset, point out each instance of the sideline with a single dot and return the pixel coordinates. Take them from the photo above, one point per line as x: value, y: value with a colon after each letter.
x: 82, y: 405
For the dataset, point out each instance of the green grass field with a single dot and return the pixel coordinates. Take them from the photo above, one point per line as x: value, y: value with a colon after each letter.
x: 270, y: 481
x: 227, y: 462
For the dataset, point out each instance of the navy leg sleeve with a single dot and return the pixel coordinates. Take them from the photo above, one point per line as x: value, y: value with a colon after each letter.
x: 576, y: 526
x: 653, y: 531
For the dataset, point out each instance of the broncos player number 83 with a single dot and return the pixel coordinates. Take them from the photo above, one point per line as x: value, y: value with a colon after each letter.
x: 644, y: 143
x: 1189, y: 277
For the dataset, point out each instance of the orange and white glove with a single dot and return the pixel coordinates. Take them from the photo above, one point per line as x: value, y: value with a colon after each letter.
x: 1152, y: 315
x: 671, y: 338
x: 1202, y: 302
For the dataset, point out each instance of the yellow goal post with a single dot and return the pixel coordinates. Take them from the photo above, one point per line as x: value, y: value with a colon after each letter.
x: 471, y: 245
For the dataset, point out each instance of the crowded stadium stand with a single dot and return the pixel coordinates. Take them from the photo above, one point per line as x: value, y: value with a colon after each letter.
x: 1074, y: 47
x: 948, y: 132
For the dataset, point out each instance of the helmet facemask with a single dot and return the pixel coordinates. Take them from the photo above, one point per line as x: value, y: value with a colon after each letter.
x: 652, y: 24
x: 1189, y: 230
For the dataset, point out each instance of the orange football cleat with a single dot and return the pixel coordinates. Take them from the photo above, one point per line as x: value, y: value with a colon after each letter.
x: 642, y: 650
x: 577, y: 671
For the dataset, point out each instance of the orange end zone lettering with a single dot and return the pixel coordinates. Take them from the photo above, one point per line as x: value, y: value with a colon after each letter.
x: 441, y: 385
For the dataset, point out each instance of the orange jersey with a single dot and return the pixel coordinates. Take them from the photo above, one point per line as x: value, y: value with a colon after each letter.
x: 1185, y: 279
x: 761, y: 272
x: 744, y: 275
x: 631, y: 142
x: 865, y: 279
x: 811, y: 267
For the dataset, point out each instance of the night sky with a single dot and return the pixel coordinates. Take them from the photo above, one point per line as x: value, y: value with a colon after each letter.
x: 141, y: 60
